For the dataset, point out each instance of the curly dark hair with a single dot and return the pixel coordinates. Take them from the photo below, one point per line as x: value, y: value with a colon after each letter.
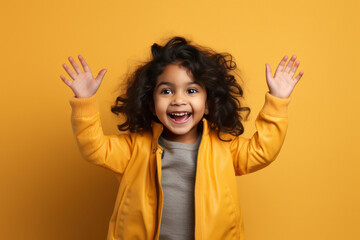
x: 209, y: 68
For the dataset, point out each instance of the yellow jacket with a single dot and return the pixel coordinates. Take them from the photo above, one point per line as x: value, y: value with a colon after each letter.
x: 136, y: 160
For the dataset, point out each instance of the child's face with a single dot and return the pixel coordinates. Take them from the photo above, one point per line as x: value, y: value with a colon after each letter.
x: 180, y: 103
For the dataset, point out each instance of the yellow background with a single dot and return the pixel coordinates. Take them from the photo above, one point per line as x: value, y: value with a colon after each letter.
x: 49, y: 192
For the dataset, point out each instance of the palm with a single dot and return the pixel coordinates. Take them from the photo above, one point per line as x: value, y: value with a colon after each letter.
x: 282, y: 83
x: 84, y: 84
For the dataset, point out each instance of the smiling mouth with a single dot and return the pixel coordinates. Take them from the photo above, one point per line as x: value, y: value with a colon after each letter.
x: 179, y: 117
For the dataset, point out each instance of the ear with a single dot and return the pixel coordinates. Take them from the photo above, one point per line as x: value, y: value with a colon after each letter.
x: 206, y: 108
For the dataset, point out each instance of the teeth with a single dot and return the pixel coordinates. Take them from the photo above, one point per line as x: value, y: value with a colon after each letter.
x: 179, y: 114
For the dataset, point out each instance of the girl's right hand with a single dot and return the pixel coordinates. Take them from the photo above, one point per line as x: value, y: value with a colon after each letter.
x: 84, y: 84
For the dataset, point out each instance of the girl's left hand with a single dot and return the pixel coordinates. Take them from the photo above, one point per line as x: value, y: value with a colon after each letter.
x: 283, y: 83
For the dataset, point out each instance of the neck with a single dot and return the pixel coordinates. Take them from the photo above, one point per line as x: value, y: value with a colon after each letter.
x: 186, y: 138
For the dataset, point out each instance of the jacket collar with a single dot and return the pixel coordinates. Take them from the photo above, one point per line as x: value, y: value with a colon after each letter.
x: 157, y: 129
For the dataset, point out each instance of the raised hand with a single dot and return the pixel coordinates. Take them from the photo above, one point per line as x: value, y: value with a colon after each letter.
x: 283, y: 82
x: 83, y: 85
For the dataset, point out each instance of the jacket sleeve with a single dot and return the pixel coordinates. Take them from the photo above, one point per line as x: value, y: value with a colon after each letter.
x: 111, y: 152
x: 262, y: 148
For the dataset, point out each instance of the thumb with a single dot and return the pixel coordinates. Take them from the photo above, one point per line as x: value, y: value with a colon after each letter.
x: 101, y: 75
x: 268, y: 71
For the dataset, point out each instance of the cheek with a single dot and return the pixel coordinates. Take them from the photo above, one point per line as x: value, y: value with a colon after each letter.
x: 204, y: 104
x: 155, y: 102
x: 201, y: 106
x: 159, y: 105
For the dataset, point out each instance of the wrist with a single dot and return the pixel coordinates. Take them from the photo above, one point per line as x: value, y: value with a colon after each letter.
x: 84, y: 95
x: 279, y: 95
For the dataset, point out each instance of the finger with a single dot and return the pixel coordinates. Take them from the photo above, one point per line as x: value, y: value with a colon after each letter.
x: 101, y: 75
x: 67, y: 82
x: 297, y: 78
x: 75, y: 66
x: 281, y: 64
x: 268, y: 72
x: 295, y: 67
x: 290, y: 63
x: 69, y: 71
x: 84, y: 64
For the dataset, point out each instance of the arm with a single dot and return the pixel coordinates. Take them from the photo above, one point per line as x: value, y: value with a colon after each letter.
x: 262, y: 148
x: 111, y: 152
x: 253, y: 154
x: 107, y: 151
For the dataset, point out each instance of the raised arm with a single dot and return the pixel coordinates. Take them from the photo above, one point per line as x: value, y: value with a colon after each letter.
x: 262, y: 148
x: 112, y: 152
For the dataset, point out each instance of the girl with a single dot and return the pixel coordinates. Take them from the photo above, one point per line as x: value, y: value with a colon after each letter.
x: 180, y: 148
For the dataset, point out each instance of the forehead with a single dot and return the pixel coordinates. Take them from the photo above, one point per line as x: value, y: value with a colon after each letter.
x: 176, y: 74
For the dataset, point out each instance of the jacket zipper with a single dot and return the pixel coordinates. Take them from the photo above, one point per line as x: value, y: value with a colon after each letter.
x: 197, y: 190
x: 160, y: 192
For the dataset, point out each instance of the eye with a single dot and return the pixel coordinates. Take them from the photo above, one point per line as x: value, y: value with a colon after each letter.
x: 192, y: 90
x: 166, y: 91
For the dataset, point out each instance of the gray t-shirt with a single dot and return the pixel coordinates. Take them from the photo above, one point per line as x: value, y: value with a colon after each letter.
x: 178, y: 182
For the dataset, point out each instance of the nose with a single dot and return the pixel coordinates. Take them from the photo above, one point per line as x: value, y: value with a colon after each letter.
x: 178, y: 99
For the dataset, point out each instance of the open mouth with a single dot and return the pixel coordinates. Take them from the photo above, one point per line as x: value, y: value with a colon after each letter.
x: 180, y: 117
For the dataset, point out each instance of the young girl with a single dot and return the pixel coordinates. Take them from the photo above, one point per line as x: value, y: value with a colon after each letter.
x: 178, y: 160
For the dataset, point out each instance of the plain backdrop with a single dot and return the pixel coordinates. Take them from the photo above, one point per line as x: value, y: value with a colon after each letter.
x: 49, y: 192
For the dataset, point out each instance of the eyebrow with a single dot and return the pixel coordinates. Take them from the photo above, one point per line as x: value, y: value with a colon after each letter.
x: 172, y: 85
